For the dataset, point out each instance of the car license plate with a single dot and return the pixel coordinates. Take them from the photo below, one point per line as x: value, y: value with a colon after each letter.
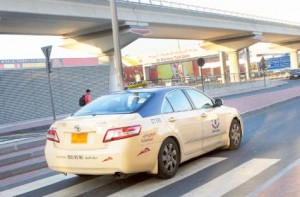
x: 79, y: 138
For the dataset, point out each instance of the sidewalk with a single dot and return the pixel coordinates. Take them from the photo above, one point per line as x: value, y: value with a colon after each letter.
x: 245, y: 104
x: 254, y: 103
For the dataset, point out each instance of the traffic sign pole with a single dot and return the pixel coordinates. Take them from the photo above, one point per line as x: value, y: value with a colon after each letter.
x: 47, y: 52
x: 263, y: 66
x: 201, y: 63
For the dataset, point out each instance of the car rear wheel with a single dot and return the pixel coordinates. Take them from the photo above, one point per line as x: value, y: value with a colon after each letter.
x: 168, y: 159
x: 235, y: 135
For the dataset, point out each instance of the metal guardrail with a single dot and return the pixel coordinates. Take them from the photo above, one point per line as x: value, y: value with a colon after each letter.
x: 215, y: 81
x: 176, y: 5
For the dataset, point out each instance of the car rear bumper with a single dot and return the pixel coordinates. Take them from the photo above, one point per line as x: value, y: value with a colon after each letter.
x: 101, y: 161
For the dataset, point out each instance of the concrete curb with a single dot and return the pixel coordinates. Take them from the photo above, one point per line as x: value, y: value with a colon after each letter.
x: 19, y: 146
x: 21, y: 156
x: 29, y: 167
x: 43, y: 128
x: 29, y: 126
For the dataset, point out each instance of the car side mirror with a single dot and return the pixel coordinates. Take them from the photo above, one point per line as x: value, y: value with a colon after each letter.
x: 218, y: 102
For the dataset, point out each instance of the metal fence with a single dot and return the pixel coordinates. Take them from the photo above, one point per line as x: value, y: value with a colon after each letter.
x: 218, y: 84
x: 208, y: 80
x: 25, y: 95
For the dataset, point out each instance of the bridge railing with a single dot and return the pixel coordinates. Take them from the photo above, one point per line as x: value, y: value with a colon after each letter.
x: 176, y: 5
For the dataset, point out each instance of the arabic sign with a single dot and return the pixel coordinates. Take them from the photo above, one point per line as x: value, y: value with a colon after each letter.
x: 279, y: 62
x: 172, y: 56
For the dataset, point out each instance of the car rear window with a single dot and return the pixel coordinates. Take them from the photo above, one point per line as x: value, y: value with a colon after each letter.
x: 119, y: 103
x: 294, y: 71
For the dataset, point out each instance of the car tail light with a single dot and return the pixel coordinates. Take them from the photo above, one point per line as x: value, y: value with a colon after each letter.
x: 52, y: 135
x: 121, y: 133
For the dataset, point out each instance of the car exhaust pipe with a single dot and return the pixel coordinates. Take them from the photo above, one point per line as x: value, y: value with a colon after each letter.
x: 120, y: 175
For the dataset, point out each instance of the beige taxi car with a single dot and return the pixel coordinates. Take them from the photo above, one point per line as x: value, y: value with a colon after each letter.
x: 142, y: 130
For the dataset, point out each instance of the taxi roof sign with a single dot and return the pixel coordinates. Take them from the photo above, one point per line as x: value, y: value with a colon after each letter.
x: 136, y: 84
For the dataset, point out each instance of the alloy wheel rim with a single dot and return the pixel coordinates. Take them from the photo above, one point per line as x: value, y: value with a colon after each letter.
x: 235, y: 134
x: 169, y: 157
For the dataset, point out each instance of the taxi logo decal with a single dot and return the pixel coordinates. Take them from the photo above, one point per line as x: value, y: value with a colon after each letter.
x: 215, y: 125
x: 144, y: 151
x: 77, y: 128
x: 107, y: 159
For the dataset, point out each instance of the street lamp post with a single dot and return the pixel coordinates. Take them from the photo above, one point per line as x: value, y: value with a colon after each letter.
x: 116, y: 41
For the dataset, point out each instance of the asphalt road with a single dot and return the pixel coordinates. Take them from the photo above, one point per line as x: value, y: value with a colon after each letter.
x: 270, y: 143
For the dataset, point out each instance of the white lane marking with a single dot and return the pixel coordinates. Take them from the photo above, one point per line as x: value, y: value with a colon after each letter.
x: 274, y: 179
x: 35, y: 185
x: 84, y: 187
x: 153, y: 184
x: 233, y: 178
x: 10, y: 141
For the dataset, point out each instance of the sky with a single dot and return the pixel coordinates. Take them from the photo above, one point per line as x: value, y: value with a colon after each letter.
x: 26, y: 47
x: 29, y: 47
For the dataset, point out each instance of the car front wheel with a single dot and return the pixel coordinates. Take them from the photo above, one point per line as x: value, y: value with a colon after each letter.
x: 168, y: 159
x: 235, y: 135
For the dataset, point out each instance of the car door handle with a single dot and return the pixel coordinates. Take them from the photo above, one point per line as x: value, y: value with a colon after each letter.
x: 204, y: 114
x: 172, y: 119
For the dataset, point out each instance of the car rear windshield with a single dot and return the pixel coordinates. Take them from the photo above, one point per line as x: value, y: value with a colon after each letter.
x: 294, y: 71
x: 119, y: 103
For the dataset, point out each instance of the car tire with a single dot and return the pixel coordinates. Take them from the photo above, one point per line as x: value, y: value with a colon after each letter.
x: 235, y: 135
x: 168, y: 159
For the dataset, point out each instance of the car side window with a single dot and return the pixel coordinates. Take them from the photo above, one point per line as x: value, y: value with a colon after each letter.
x: 166, y: 107
x: 199, y: 100
x: 179, y: 101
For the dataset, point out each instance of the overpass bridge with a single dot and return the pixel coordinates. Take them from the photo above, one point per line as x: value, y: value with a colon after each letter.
x: 88, y: 22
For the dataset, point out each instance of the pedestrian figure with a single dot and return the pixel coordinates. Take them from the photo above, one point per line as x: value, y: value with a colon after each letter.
x: 85, y: 98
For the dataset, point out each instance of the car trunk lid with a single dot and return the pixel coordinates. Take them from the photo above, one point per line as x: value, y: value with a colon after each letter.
x: 87, y: 132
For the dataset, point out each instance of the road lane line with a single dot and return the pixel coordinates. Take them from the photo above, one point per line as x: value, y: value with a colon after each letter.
x: 84, y: 187
x: 35, y: 185
x: 232, y: 178
x: 153, y: 184
x: 274, y: 179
